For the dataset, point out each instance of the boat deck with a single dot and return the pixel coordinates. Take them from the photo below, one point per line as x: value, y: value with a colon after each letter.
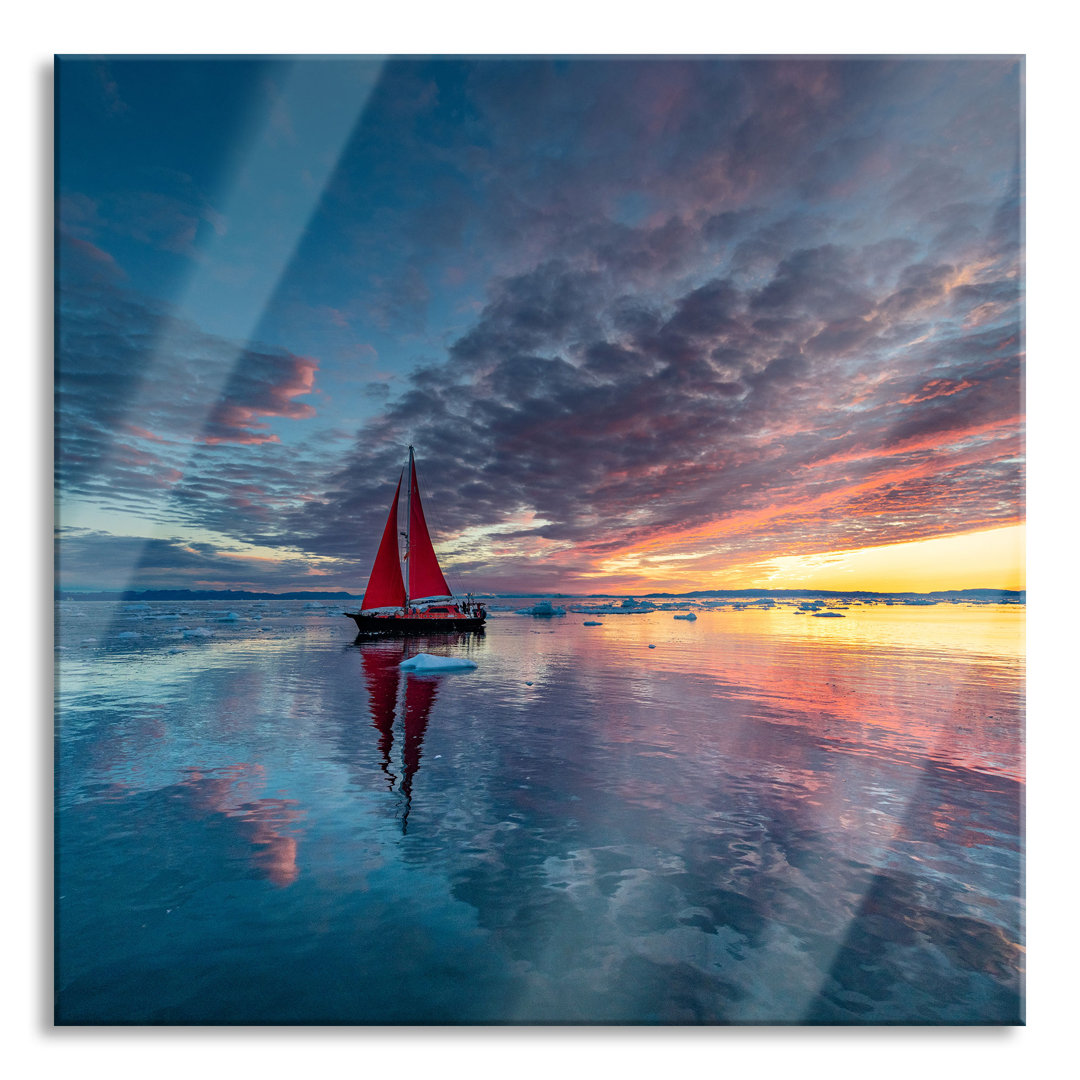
x: 420, y: 623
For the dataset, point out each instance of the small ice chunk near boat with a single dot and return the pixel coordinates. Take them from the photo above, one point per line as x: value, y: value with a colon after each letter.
x: 428, y: 662
x: 542, y: 610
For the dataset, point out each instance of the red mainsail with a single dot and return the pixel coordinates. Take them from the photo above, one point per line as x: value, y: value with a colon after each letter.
x: 426, y: 581
x: 385, y: 589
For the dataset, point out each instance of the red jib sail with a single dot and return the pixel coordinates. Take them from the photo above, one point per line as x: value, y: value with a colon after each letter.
x: 385, y: 589
x: 426, y: 581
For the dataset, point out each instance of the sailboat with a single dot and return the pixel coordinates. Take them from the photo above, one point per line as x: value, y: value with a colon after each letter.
x: 418, y: 601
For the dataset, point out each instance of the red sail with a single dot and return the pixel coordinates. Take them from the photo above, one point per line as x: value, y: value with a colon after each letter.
x: 385, y: 589
x: 426, y: 581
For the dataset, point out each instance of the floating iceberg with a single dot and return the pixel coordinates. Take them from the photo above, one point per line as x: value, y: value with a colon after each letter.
x: 591, y: 622
x: 542, y: 610
x: 827, y: 615
x: 427, y: 662
x: 627, y: 607
x: 689, y: 617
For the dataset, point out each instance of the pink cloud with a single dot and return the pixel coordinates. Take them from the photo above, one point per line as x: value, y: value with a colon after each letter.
x: 236, y: 420
x: 936, y: 388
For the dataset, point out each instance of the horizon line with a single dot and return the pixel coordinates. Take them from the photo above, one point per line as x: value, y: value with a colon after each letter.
x: 341, y: 594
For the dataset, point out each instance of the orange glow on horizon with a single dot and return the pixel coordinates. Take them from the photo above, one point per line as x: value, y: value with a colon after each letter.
x: 986, y: 559
x: 689, y: 542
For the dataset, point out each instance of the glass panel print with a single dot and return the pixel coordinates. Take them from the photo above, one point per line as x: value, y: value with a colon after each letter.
x: 710, y: 372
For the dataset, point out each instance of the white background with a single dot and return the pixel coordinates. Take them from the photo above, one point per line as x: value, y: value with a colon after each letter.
x: 31, y: 1045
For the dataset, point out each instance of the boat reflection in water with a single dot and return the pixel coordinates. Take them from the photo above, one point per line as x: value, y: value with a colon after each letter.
x: 766, y: 819
x: 382, y: 673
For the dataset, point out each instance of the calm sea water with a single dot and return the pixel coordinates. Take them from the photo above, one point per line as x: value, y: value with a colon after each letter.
x: 769, y: 817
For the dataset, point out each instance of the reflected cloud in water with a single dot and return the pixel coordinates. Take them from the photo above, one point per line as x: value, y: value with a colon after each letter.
x: 757, y: 821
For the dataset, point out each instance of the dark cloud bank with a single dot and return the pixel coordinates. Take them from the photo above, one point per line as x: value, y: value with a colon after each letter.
x: 720, y: 289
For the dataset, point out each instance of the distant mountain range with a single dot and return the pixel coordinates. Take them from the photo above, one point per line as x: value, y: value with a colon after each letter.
x: 983, y: 595
x: 198, y: 594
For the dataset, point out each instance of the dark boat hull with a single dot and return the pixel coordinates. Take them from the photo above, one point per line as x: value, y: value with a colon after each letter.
x: 404, y: 625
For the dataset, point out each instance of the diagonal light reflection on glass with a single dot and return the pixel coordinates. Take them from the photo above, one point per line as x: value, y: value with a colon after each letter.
x: 253, y: 207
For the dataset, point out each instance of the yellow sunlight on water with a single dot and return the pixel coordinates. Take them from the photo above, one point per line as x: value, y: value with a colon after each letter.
x: 991, y: 559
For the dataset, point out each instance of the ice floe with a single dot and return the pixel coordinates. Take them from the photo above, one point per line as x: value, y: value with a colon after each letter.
x: 689, y: 617
x: 591, y: 622
x: 542, y: 610
x: 629, y: 606
x: 428, y: 662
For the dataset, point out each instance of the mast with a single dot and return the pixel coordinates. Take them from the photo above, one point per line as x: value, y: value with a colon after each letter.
x: 408, y: 522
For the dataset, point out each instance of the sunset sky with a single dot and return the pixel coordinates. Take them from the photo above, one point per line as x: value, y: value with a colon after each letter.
x: 651, y: 324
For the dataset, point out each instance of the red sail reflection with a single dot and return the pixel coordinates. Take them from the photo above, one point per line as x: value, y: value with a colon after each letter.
x: 420, y: 695
x: 382, y: 676
x: 382, y: 673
